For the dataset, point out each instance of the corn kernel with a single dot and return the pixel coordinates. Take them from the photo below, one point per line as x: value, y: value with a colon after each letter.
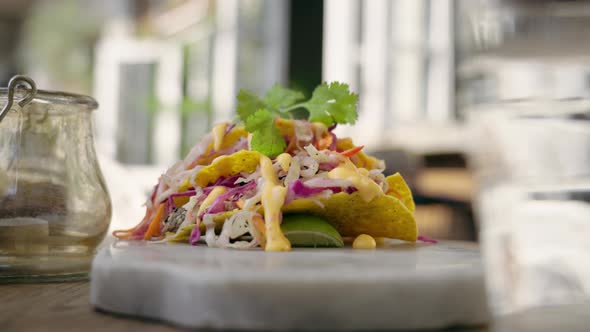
x: 364, y: 241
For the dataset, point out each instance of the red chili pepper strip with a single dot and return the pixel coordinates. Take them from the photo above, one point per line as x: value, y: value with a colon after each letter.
x: 351, y: 152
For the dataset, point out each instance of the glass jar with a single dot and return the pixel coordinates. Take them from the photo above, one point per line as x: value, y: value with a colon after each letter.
x: 54, y: 205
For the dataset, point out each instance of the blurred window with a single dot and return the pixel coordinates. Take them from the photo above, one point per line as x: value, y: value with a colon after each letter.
x: 398, y: 55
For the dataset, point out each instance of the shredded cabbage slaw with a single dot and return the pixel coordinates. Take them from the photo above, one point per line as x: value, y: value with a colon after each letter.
x: 177, y: 213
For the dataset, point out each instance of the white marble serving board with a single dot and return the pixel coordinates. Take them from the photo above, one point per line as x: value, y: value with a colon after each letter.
x: 399, y: 286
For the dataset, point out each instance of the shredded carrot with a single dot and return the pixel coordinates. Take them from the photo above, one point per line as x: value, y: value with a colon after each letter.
x: 240, y: 203
x: 261, y: 228
x: 123, y: 234
x: 193, y: 164
x: 292, y: 145
x: 351, y: 152
x: 325, y: 142
x: 115, y: 232
x: 316, y: 144
x: 200, y: 160
x: 154, y: 228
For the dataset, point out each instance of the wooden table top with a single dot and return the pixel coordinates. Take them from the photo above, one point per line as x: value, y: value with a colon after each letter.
x: 65, y: 307
x: 61, y: 307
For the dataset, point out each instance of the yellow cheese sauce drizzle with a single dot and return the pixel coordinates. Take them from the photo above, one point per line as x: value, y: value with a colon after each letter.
x: 218, y: 135
x: 273, y: 198
x: 284, y: 161
x: 366, y: 187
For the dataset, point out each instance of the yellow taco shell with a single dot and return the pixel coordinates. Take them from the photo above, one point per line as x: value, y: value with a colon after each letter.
x: 399, y: 188
x: 384, y: 216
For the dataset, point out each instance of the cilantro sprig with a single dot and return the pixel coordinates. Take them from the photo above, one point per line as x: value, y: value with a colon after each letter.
x: 266, y: 138
x: 329, y: 104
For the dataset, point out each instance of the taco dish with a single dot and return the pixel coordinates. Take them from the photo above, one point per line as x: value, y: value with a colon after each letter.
x: 235, y: 186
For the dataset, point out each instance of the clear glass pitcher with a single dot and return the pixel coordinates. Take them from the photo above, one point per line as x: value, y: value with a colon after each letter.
x: 523, y: 87
x: 54, y: 205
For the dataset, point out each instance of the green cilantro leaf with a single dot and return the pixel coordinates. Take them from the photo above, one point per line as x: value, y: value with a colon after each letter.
x: 279, y: 98
x: 332, y: 103
x: 248, y: 104
x: 266, y: 137
x: 329, y: 104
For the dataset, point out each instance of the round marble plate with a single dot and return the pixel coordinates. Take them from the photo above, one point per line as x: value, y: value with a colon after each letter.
x: 397, y: 286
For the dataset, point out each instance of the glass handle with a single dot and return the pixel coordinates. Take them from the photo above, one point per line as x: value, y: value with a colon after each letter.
x: 15, y: 82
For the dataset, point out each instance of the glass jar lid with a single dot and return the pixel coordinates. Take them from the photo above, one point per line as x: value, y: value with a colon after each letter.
x: 52, y: 97
x: 23, y: 90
